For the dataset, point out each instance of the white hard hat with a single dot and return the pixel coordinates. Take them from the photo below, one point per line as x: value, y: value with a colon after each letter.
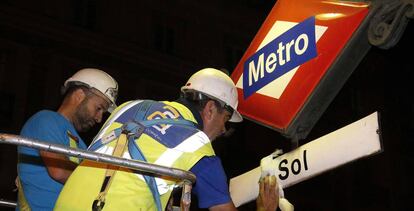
x: 98, y: 79
x: 217, y: 85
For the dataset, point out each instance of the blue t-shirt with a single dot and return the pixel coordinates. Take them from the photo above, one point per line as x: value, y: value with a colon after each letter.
x: 211, y: 187
x: 40, y: 190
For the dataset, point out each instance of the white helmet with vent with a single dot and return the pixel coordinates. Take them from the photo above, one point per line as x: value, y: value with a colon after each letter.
x: 99, y: 80
x: 217, y: 85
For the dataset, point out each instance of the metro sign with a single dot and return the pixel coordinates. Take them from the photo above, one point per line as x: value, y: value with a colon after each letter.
x: 287, y: 51
x: 290, y: 54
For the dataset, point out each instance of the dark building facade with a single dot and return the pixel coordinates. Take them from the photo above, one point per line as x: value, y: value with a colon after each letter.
x: 152, y: 47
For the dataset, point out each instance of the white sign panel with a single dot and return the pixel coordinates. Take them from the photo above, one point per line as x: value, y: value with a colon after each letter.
x: 357, y: 140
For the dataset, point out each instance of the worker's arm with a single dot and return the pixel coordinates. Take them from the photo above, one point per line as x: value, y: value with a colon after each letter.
x: 223, y: 207
x: 211, y: 187
x: 268, y: 199
x: 58, y: 166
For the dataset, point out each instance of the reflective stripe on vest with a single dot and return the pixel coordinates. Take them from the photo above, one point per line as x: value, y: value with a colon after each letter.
x: 191, y: 144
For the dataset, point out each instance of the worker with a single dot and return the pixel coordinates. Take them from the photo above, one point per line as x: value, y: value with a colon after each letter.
x: 175, y: 134
x: 87, y: 95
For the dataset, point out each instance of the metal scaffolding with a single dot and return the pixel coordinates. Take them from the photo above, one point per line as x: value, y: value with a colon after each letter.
x: 187, y: 178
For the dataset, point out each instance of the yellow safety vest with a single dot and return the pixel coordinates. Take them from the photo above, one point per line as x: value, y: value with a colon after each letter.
x: 128, y: 190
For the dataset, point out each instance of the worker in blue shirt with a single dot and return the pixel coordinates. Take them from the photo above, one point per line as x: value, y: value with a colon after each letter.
x: 87, y: 95
x: 175, y: 134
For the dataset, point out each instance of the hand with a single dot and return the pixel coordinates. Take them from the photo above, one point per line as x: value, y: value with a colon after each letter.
x: 17, y: 183
x: 268, y: 199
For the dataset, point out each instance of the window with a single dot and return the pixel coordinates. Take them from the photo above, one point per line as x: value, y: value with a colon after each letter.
x: 85, y: 13
x: 164, y: 38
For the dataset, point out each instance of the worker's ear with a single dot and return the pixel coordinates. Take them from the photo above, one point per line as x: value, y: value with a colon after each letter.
x: 208, y: 110
x: 78, y: 95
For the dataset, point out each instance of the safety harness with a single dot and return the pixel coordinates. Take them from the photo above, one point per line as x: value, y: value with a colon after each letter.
x: 126, y: 135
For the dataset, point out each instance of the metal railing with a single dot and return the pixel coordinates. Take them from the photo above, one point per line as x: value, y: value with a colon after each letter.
x: 187, y: 177
x: 7, y: 203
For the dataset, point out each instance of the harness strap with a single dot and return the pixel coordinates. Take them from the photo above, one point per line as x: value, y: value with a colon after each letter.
x: 99, y: 202
x: 136, y: 154
x: 132, y: 130
x: 147, y: 123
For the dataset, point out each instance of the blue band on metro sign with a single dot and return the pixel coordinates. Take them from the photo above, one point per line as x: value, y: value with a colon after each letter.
x: 291, y: 49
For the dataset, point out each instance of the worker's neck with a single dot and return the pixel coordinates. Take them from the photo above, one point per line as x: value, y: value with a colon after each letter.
x: 67, y: 111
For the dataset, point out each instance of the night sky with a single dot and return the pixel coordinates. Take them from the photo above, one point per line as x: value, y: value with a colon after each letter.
x: 152, y: 48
